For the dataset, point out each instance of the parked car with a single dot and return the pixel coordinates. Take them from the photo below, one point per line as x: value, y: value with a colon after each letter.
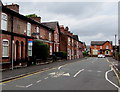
x: 101, y: 56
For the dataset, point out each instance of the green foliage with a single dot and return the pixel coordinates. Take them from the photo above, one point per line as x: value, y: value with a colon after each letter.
x: 85, y: 53
x: 40, y: 50
x: 31, y: 15
x: 61, y: 54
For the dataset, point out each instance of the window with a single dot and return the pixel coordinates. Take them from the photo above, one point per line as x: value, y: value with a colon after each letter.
x: 4, y: 21
x: 95, y: 52
x: 68, y: 41
x: 57, y: 49
x: 37, y: 32
x: 5, y: 48
x: 50, y: 36
x: 95, y: 46
x: 107, y: 47
x: 29, y: 49
x: 100, y: 47
x: 28, y: 29
x: 50, y: 50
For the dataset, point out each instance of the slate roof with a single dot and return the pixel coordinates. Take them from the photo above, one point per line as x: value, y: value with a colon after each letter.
x: 99, y: 42
x: 76, y: 37
x: 51, y: 25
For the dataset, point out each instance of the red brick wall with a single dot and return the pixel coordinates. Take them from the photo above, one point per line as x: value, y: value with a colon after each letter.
x: 13, y: 7
x: 19, y: 26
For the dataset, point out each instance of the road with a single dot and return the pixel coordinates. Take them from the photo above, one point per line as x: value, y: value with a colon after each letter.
x: 89, y: 74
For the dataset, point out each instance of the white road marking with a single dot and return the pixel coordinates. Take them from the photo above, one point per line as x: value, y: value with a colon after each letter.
x: 29, y: 85
x: 67, y: 74
x: 52, y: 73
x: 89, y: 70
x: 78, y: 72
x: 99, y: 71
x: 20, y: 86
x: 38, y: 81
x: 60, y: 67
x: 46, y: 78
x: 106, y: 77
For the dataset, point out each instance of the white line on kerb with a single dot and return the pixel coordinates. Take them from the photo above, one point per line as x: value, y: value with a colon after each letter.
x: 29, y: 85
x: 78, y: 72
x: 106, y: 77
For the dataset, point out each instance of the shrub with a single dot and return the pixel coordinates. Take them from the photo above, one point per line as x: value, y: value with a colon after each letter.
x: 40, y: 50
x: 61, y: 54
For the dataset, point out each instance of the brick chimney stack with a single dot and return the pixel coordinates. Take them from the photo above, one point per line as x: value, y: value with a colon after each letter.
x: 37, y: 19
x: 14, y: 7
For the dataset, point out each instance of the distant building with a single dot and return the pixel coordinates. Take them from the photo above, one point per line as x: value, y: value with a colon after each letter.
x: 101, y: 47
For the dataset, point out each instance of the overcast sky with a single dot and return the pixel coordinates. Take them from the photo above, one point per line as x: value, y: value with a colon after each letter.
x: 91, y: 21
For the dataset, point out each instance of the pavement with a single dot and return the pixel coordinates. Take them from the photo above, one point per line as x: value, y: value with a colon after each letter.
x: 23, y: 71
x: 116, y: 65
x: 87, y: 74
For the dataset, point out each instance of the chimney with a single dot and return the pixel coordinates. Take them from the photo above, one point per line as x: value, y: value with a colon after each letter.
x: 14, y: 7
x: 66, y: 28
x: 37, y: 19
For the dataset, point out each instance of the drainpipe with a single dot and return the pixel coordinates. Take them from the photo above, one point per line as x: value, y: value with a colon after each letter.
x: 12, y: 43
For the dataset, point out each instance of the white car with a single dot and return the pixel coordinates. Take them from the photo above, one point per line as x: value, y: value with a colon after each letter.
x: 101, y: 56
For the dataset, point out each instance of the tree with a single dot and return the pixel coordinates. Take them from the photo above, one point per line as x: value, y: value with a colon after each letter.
x: 31, y: 15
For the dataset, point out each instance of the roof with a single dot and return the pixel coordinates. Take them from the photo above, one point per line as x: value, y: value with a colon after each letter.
x: 75, y: 37
x: 51, y: 25
x: 99, y: 42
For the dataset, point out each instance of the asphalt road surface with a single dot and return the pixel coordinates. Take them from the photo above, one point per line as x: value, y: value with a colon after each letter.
x: 90, y: 74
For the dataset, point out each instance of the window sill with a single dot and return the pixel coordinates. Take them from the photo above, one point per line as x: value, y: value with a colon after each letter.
x: 5, y: 57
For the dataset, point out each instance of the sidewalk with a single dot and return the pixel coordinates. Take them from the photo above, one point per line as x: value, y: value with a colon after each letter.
x: 115, y: 65
x: 11, y: 74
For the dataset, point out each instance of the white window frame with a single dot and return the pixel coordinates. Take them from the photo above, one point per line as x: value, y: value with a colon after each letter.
x: 4, y: 46
x: 50, y: 50
x: 107, y: 47
x: 57, y: 49
x: 50, y: 36
x: 4, y: 18
x: 30, y: 49
x: 37, y: 31
x: 28, y: 29
x: 95, y: 46
x: 68, y: 40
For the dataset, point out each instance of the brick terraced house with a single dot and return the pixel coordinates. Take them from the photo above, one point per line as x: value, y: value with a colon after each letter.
x: 70, y: 44
x: 18, y: 33
x: 56, y: 28
x: 101, y: 47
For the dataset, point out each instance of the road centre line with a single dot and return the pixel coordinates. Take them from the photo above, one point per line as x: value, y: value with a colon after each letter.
x: 106, y: 77
x: 46, y: 78
x: 38, y: 81
x: 29, y: 85
x: 38, y: 72
x: 78, y: 72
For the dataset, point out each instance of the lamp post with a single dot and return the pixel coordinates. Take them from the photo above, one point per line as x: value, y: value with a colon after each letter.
x: 115, y: 46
